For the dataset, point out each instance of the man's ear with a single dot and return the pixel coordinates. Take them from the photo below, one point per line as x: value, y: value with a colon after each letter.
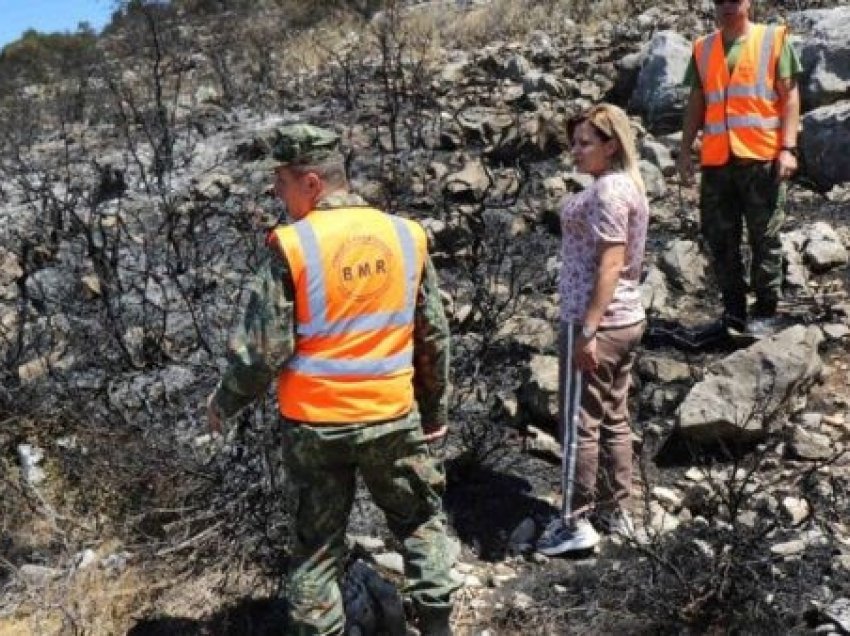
x: 313, y: 182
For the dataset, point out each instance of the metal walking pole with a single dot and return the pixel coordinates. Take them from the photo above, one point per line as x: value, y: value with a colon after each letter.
x: 569, y: 443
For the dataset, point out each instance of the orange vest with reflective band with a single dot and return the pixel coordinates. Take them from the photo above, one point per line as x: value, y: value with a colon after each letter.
x: 742, y: 110
x: 356, y: 273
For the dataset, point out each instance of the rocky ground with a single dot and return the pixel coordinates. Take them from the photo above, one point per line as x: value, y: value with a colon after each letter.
x: 129, y: 236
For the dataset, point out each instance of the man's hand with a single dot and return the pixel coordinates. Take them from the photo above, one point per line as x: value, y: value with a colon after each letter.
x: 214, y: 417
x: 434, y: 431
x: 585, y: 354
x: 685, y: 166
x: 786, y: 165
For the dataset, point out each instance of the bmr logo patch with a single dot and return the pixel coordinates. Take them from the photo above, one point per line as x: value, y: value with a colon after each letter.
x: 363, y: 265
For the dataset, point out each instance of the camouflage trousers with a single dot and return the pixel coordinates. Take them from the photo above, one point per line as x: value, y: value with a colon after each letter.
x: 405, y: 480
x: 744, y: 191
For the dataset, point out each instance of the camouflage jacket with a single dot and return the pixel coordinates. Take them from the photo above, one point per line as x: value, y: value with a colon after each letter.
x: 265, y: 337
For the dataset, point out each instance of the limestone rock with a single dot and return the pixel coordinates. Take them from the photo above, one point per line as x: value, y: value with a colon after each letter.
x: 743, y: 392
x: 824, y: 145
x: 659, y: 95
x: 823, y: 248
x: 823, y: 41
x: 685, y: 265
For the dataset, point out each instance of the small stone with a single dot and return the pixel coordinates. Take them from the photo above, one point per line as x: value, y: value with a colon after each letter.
x: 704, y: 547
x: 38, y: 574
x: 796, y: 509
x: 202, y: 440
x: 789, y: 548
x: 470, y: 580
x: 37, y: 368
x: 30, y: 456
x: 85, y: 559
x: 501, y: 575
x: 463, y: 567
x: 522, y: 600
x: 748, y: 519
x: 538, y: 558
x: 367, y: 543
x: 539, y: 441
x: 116, y: 562
x: 811, y: 420
x: 661, y: 521
x: 91, y: 286
x: 695, y: 474
x: 668, y: 497
x: 834, y: 420
x: 808, y: 445
x: 392, y: 561
x: 835, y: 331
x: 839, y: 613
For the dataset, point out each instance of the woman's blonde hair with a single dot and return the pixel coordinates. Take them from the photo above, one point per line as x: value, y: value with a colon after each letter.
x: 611, y: 122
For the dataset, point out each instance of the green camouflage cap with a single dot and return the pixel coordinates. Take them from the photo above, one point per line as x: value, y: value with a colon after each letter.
x: 304, y: 144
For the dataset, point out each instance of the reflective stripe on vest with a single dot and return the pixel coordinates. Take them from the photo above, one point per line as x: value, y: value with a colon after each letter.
x: 322, y: 366
x: 744, y: 121
x: 742, y: 115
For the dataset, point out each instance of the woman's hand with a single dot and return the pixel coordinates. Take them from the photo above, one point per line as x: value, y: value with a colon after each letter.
x: 214, y: 417
x: 585, y: 353
x: 435, y: 431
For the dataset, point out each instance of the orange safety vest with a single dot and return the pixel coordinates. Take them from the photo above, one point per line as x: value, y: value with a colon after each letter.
x: 742, y: 110
x: 356, y: 273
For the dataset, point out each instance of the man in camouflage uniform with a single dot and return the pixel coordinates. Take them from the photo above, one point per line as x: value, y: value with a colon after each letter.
x: 743, y: 189
x: 393, y: 457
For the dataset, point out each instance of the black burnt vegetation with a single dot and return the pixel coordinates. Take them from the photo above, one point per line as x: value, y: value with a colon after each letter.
x: 128, y: 243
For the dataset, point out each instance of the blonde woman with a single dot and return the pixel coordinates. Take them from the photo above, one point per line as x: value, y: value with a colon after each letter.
x: 603, y: 233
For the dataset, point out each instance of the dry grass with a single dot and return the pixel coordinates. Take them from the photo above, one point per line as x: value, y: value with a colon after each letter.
x: 513, y: 19
x: 90, y: 600
x: 425, y: 30
x: 97, y: 603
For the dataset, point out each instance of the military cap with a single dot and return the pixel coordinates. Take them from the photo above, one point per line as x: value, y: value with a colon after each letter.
x: 303, y: 144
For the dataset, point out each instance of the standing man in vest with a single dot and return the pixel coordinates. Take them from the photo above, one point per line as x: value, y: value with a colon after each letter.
x: 745, y: 99
x: 347, y: 315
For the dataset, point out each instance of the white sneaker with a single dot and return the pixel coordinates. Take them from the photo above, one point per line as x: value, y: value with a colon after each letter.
x: 558, y: 538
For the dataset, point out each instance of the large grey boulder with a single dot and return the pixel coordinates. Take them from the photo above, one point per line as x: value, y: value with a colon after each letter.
x: 823, y: 248
x: 826, y: 132
x: 824, y: 46
x: 742, y: 393
x: 660, y: 95
x: 685, y: 265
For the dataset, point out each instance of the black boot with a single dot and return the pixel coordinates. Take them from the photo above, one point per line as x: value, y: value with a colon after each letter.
x: 435, y: 622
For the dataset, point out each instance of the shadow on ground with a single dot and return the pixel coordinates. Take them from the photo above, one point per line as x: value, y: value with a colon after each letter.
x: 263, y: 617
x: 486, y: 504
